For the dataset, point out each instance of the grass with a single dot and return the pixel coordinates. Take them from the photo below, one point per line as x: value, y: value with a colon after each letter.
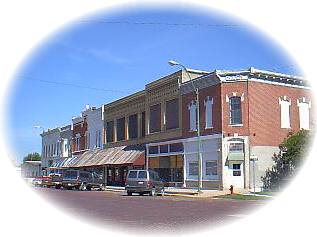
x: 243, y: 197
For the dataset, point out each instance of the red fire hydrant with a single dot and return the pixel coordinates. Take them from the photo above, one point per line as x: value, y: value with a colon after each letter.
x: 231, y: 189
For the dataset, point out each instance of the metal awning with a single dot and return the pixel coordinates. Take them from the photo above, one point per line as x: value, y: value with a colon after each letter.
x: 109, y: 156
x: 236, y: 156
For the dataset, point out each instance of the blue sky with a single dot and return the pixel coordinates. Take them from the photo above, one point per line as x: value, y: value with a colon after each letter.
x: 115, y: 53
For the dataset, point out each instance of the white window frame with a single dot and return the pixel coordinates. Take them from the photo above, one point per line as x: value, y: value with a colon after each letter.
x: 192, y: 108
x: 211, y: 161
x: 208, y: 112
x: 304, y: 120
x: 285, y: 112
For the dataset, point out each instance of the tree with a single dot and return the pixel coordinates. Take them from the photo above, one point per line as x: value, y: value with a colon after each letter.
x: 32, y: 157
x: 292, y: 153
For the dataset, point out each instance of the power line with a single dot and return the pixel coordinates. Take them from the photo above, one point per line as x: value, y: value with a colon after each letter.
x: 158, y: 23
x: 73, y: 85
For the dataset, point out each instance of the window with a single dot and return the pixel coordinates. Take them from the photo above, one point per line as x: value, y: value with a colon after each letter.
x: 192, y: 116
x: 153, y: 150
x: 143, y: 124
x: 172, y: 114
x: 236, y: 147
x: 155, y: 118
x: 142, y: 175
x: 303, y: 107
x: 109, y: 131
x: 236, y: 169
x: 133, y: 126
x: 285, y: 112
x: 132, y: 174
x: 98, y: 138
x: 193, y: 168
x: 164, y: 149
x: 87, y: 140
x: 77, y: 142
x: 208, y: 114
x: 235, y: 110
x: 176, y: 147
x: 211, y: 168
x: 121, y: 129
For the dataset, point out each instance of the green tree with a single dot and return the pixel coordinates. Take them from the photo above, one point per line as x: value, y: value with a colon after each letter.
x: 292, y: 152
x: 32, y: 157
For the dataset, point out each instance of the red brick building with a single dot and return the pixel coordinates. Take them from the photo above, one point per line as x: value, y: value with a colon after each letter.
x: 242, y: 113
x: 79, y: 139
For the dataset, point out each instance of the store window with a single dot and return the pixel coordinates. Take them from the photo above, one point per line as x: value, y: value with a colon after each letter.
x: 211, y: 168
x: 193, y: 168
x: 153, y: 150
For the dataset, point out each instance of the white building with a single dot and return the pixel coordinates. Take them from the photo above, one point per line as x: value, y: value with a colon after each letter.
x: 31, y: 169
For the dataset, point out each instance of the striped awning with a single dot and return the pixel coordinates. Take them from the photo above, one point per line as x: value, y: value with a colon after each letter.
x: 109, y: 156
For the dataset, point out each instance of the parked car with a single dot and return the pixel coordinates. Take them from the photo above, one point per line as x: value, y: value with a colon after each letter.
x: 82, y: 180
x: 144, y: 181
x: 37, y: 181
x: 52, y: 179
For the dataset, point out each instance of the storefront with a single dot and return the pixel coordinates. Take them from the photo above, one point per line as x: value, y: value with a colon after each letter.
x: 166, y: 158
x: 112, y: 163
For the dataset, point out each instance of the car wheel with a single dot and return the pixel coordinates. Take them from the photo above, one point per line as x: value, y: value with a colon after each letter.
x: 129, y: 193
x: 152, y: 192
x: 162, y: 192
x: 83, y: 187
x: 101, y: 187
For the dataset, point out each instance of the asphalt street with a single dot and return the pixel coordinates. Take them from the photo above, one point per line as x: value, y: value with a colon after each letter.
x: 168, y: 213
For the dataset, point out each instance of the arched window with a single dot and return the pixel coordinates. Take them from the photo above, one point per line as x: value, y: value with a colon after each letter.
x: 235, y: 110
x: 285, y: 112
x: 208, y: 114
x: 192, y: 116
x: 304, y: 115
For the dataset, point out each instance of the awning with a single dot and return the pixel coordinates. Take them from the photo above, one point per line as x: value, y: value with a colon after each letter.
x: 236, y: 156
x: 109, y: 156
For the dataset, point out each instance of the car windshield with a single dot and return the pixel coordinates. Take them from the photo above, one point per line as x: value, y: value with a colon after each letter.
x: 70, y: 174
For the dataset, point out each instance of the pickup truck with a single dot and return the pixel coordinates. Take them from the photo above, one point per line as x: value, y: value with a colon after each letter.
x: 52, y: 180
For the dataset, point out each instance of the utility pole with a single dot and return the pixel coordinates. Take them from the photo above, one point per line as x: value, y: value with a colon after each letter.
x: 253, y: 158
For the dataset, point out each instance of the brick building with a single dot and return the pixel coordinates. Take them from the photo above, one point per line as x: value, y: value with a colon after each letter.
x: 243, y: 113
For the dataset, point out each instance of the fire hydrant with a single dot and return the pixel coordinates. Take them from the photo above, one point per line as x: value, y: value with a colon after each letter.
x: 231, y: 189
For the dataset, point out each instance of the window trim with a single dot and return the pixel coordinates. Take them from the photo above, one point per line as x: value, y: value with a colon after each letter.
x: 230, y: 111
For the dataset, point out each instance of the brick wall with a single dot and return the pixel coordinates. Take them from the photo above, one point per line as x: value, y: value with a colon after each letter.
x: 80, y: 128
x: 265, y: 120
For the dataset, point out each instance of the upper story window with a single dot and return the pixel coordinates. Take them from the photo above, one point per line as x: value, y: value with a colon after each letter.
x: 155, y: 118
x: 235, y: 110
x: 109, y: 131
x: 121, y: 129
x: 304, y: 113
x: 77, y: 142
x: 172, y: 114
x: 208, y: 114
x: 143, y: 124
x: 133, y: 126
x: 98, y: 137
x: 192, y: 116
x: 236, y: 147
x: 285, y: 112
x: 87, y: 140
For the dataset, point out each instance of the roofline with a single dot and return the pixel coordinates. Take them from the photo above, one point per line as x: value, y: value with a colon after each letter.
x: 125, y: 99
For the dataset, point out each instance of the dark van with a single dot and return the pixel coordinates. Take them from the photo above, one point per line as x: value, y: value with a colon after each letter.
x: 82, y: 180
x: 144, y: 181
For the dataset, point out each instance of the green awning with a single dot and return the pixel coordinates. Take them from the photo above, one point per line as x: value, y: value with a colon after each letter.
x: 236, y: 156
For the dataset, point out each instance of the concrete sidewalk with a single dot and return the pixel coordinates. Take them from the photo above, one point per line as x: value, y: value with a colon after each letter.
x: 185, y: 192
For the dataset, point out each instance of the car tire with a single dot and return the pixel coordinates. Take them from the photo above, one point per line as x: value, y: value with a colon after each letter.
x: 129, y: 193
x: 162, y: 192
x: 82, y: 187
x: 152, y: 192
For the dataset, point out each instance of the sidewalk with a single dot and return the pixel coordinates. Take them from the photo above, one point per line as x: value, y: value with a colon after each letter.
x: 185, y: 192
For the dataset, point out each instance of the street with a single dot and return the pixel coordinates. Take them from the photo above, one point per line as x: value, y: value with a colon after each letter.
x: 168, y: 213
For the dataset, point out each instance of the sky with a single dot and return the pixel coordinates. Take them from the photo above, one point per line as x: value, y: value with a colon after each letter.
x: 97, y: 59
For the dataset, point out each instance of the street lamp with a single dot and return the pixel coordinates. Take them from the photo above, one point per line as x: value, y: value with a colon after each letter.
x: 175, y: 63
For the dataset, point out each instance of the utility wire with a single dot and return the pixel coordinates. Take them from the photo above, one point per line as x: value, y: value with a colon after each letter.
x: 73, y: 85
x: 157, y: 23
